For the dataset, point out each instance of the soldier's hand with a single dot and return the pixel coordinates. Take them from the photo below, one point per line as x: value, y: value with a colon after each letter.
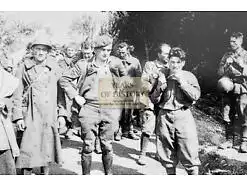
x: 234, y: 71
x: 21, y: 125
x: 178, y: 76
x: 61, y: 121
x: 80, y: 100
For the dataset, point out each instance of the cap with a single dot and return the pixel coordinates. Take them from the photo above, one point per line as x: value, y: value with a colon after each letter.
x: 102, y: 41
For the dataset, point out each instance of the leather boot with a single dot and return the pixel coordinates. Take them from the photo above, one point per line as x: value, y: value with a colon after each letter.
x: 27, y: 171
x: 86, y: 161
x: 97, y: 149
x: 44, y: 170
x: 193, y: 170
x: 243, y: 146
x: 171, y: 171
x: 107, y: 160
x: 144, y: 145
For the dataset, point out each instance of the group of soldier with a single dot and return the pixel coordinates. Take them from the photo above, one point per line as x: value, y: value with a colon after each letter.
x: 56, y: 92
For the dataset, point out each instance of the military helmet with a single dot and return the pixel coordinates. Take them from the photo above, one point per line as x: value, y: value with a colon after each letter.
x: 42, y: 41
x: 225, y: 84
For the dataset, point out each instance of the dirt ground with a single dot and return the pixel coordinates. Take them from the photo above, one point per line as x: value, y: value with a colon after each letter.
x: 126, y: 153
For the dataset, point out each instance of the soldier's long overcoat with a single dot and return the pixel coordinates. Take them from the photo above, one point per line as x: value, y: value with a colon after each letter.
x: 40, y: 142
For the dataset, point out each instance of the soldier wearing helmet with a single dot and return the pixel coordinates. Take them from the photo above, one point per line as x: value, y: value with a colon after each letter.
x: 234, y: 66
x: 35, y: 109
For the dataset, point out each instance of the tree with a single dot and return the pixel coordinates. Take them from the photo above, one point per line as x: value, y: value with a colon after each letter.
x: 90, y: 24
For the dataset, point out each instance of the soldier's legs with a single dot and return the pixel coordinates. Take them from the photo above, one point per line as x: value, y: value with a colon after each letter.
x: 87, y: 149
x: 89, y: 119
x: 107, y: 127
x: 106, y: 134
x: 147, y: 130
x: 166, y: 141
x: 44, y: 170
x: 242, y: 114
x: 127, y: 125
x: 26, y: 171
x: 97, y: 149
x: 187, y: 141
x: 229, y: 111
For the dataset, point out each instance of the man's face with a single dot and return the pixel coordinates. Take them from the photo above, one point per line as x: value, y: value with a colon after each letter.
x: 175, y: 64
x: 103, y: 53
x: 40, y: 52
x: 236, y: 43
x: 163, y: 55
x: 70, y: 52
x: 123, y: 53
x: 87, y: 53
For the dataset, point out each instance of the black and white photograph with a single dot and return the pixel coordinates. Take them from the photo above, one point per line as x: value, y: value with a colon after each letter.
x: 123, y: 92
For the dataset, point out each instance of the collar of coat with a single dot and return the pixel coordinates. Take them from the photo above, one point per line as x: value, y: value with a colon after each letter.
x: 30, y: 62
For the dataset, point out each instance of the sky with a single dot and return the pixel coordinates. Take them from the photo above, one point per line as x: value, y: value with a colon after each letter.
x: 58, y: 21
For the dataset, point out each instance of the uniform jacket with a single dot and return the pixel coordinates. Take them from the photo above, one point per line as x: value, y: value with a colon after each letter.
x: 64, y: 103
x: 177, y: 96
x: 238, y: 60
x: 86, y: 71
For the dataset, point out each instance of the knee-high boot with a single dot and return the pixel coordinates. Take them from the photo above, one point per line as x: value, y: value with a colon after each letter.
x: 86, y: 161
x: 107, y: 160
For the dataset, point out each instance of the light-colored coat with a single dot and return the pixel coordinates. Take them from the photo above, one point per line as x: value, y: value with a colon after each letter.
x: 40, y: 142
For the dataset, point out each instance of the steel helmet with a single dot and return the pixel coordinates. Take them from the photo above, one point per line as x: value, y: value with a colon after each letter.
x: 42, y: 40
x: 225, y: 84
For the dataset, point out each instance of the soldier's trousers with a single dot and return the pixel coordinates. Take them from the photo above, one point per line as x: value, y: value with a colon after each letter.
x: 228, y: 106
x: 177, y: 139
x: 242, y: 115
x: 101, y: 122
x: 126, y: 120
x: 149, y: 120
